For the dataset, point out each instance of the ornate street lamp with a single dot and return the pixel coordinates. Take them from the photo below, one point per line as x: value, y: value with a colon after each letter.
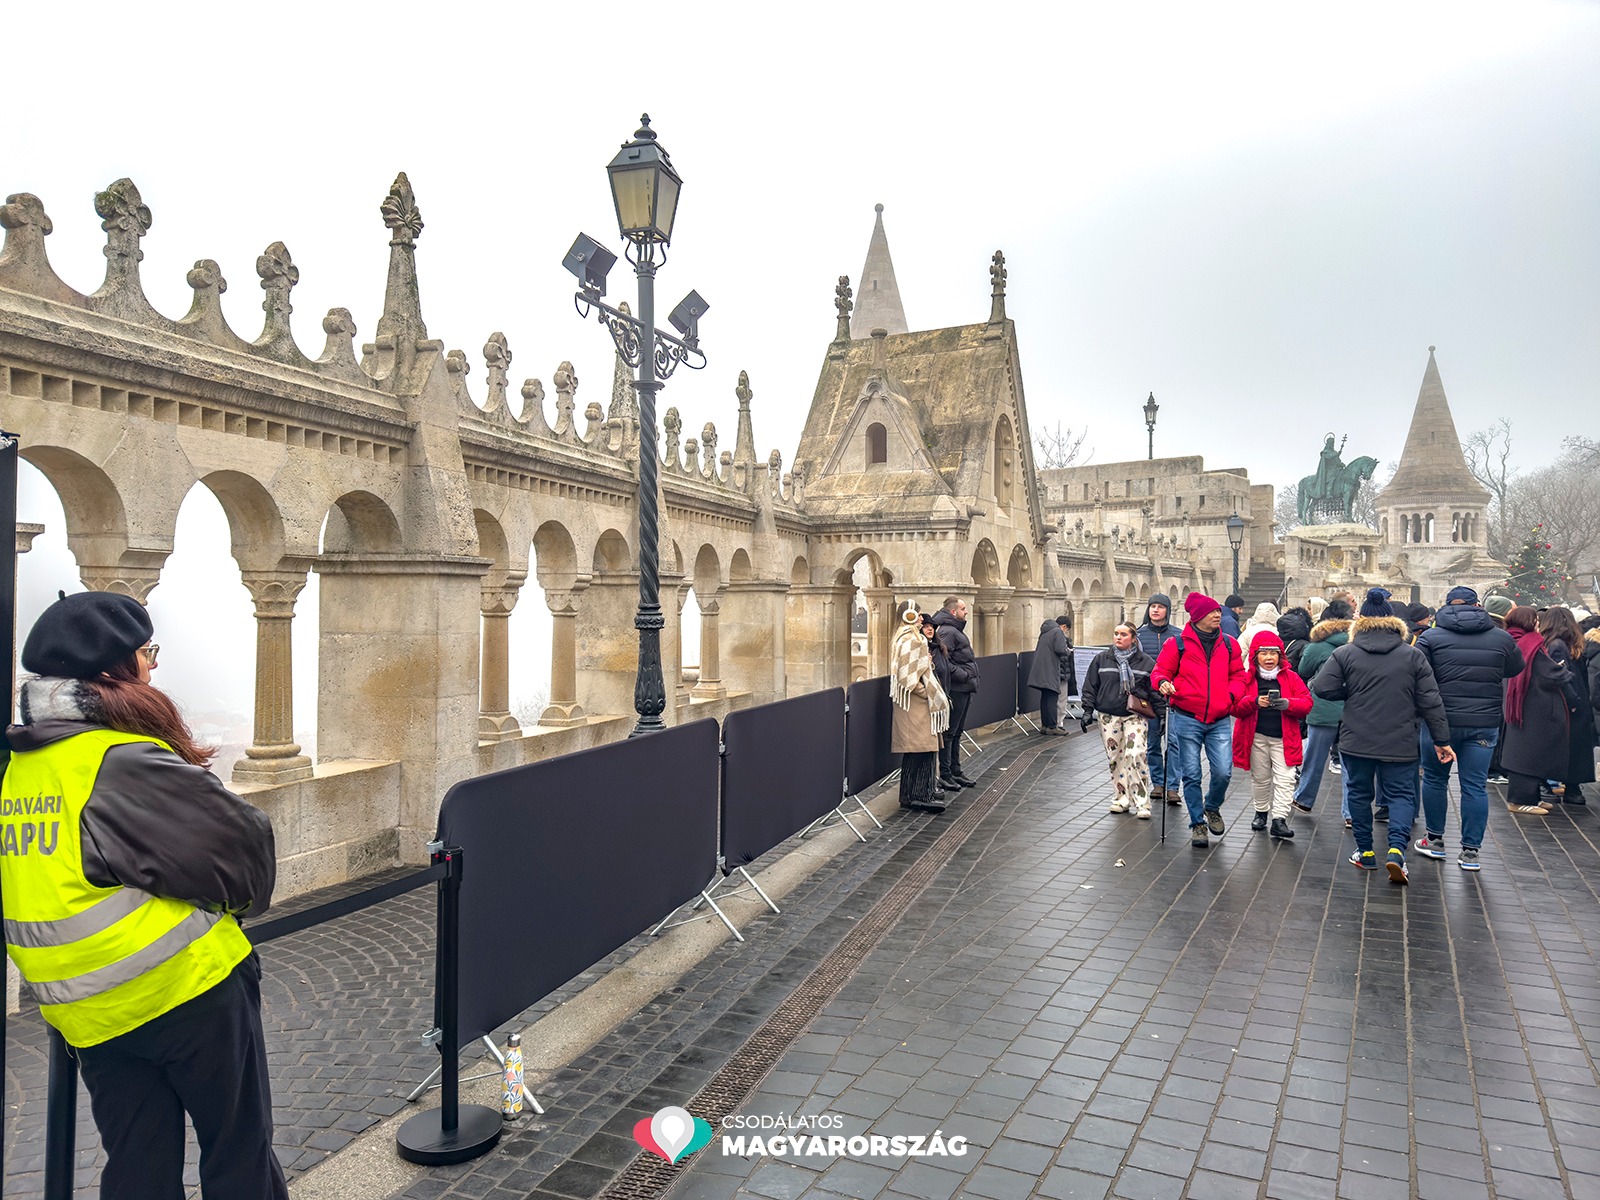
x: 644, y: 188
x: 1236, y: 539
x: 1151, y: 408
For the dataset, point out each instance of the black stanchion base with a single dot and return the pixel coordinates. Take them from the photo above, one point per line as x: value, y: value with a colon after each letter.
x: 421, y: 1140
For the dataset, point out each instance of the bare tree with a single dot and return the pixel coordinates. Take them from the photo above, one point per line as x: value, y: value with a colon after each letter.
x: 1365, y: 508
x: 1488, y: 455
x: 1564, y: 498
x: 1286, y: 511
x: 1054, y: 449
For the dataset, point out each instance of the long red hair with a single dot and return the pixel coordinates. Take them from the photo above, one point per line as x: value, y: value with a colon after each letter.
x: 131, y: 706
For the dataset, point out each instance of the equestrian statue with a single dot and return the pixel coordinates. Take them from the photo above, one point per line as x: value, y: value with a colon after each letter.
x: 1331, y: 492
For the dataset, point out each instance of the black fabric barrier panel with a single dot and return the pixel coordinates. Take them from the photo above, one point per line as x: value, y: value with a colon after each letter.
x: 1027, y: 697
x: 782, y: 768
x: 565, y: 860
x: 996, y: 698
x: 866, y: 735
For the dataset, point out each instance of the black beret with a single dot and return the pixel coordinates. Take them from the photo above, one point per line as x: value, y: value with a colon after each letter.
x: 83, y: 634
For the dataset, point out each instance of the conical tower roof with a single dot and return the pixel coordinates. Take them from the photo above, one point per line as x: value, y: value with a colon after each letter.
x: 1432, y: 470
x: 877, y: 295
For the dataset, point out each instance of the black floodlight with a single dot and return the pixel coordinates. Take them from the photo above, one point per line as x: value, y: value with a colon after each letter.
x: 644, y: 187
x: 590, y: 262
x: 686, y: 317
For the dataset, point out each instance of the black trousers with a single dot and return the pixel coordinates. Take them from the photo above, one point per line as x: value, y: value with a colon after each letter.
x: 1048, y: 714
x: 207, y: 1057
x: 950, y: 752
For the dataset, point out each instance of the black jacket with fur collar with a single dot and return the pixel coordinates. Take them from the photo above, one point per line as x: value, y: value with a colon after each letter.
x: 1387, y: 686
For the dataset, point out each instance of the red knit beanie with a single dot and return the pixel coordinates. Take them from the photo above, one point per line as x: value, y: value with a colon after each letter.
x: 1197, y: 605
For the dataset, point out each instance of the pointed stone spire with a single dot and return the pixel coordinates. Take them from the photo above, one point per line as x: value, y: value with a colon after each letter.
x: 1432, y: 468
x: 877, y: 301
x: 744, y: 447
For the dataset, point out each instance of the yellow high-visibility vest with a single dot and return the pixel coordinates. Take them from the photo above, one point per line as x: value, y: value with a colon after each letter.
x: 101, y: 961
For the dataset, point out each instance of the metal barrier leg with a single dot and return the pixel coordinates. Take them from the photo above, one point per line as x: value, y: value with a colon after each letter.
x: 453, y: 1132
x: 61, y: 1120
x: 759, y: 892
x: 861, y: 804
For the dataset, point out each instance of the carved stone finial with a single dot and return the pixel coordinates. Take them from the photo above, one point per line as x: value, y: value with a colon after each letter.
x: 278, y: 278
x: 399, y: 209
x: 594, y: 417
x: 125, y: 218
x: 533, y: 405
x: 339, y: 323
x: 743, y: 391
x: 671, y: 427
x: 455, y: 362
x: 497, y: 360
x: 624, y: 407
x: 708, y: 442
x: 205, y: 318
x: 997, y: 288
x: 24, y: 265
x: 566, y: 382
x: 844, y: 303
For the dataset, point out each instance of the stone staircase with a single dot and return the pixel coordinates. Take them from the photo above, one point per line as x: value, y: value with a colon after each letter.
x: 1262, y: 584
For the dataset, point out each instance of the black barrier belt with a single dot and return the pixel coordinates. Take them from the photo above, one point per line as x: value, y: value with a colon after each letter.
x: 334, y: 909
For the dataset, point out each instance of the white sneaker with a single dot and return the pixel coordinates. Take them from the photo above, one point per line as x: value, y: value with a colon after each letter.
x: 1143, y: 814
x: 1119, y: 806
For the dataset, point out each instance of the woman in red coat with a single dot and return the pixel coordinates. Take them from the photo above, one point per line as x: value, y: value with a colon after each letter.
x: 1266, y: 731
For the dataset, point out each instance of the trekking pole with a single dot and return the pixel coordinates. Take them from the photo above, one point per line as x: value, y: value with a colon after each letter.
x: 1166, y: 773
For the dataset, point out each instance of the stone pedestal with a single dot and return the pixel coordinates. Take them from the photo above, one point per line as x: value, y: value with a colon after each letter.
x: 709, y: 686
x: 495, y: 722
x: 563, y: 710
x: 817, y: 636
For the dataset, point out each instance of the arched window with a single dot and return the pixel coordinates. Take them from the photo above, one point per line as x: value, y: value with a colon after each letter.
x: 1428, y: 529
x: 1384, y: 533
x: 877, y: 444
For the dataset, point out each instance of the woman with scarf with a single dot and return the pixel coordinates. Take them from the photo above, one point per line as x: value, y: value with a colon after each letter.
x: 1564, y: 640
x: 921, y: 714
x: 1537, y: 737
x: 1113, y: 677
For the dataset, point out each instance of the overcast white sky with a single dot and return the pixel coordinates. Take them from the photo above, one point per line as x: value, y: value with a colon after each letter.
x: 1264, y: 213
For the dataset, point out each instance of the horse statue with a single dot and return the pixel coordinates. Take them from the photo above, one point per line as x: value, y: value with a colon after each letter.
x: 1340, y: 493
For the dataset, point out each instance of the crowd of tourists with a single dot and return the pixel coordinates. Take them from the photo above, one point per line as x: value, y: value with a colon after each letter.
x: 1387, y: 698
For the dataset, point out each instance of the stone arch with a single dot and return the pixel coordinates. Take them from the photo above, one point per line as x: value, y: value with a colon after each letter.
x: 1078, y: 590
x: 255, y: 526
x: 612, y: 554
x: 877, y: 444
x: 1005, y: 462
x: 492, y: 541
x: 707, y: 572
x: 880, y: 576
x: 739, y: 569
x: 555, y: 555
x: 800, y: 572
x: 97, y: 524
x: 985, y: 564
x: 1096, y: 590
x: 360, y: 523
x: 1019, y: 571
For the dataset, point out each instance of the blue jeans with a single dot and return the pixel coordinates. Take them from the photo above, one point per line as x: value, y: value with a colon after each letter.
x: 1474, y: 749
x: 1394, y: 786
x: 1158, y: 774
x: 1319, y: 740
x: 1188, y: 735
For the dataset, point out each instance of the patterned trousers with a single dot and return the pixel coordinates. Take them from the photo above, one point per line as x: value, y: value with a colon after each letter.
x: 1126, y: 740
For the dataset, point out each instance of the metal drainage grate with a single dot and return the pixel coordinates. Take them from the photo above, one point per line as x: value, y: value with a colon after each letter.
x: 648, y: 1177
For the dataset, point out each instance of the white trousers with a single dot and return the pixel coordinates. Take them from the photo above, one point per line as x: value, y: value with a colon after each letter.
x: 1271, y: 777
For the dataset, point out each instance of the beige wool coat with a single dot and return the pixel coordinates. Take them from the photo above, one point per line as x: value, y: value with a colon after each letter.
x: 912, y: 732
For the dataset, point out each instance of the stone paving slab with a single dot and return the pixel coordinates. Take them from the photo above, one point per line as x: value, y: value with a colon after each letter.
x: 1250, y: 1020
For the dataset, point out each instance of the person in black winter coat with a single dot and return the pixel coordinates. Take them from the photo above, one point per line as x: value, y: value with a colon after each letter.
x: 1156, y: 631
x: 1471, y: 657
x: 1565, y: 642
x: 1538, y: 722
x: 1387, y: 687
x: 950, y: 622
x: 1051, y: 672
x: 1113, y: 676
x: 1294, y: 629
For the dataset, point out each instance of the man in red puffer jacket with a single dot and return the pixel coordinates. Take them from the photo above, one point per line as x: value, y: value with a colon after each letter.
x: 1202, y: 676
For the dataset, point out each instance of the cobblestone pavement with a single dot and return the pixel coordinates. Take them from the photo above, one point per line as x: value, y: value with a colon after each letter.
x: 343, y: 1005
x: 1255, y: 1019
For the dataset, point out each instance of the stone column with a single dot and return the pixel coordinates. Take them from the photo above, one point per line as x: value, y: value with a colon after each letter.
x: 608, y: 644
x: 710, y: 685
x: 273, y: 756
x: 754, y: 650
x: 817, y: 636
x: 880, y: 629
x: 563, y: 709
x: 989, y: 605
x: 498, y: 598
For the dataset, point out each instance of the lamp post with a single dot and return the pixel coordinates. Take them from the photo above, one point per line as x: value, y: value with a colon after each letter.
x: 1236, y: 539
x: 644, y: 188
x: 1151, y: 408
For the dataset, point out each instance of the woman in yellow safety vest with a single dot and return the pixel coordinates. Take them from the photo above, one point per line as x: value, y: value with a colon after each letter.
x: 124, y: 864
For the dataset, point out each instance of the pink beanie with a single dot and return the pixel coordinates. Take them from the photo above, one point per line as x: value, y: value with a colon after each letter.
x: 1198, y: 604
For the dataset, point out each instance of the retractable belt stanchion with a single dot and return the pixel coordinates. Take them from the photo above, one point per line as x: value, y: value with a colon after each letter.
x: 453, y: 1132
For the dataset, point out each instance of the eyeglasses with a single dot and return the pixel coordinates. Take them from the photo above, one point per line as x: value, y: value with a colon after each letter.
x: 149, y: 653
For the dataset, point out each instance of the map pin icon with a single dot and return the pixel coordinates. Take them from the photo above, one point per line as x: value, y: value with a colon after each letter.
x: 673, y: 1130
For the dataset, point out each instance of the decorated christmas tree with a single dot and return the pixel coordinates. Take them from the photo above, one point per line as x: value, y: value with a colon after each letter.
x: 1538, y: 577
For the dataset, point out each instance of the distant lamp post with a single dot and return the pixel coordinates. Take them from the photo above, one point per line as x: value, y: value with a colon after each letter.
x: 644, y: 188
x: 1236, y: 539
x: 1151, y: 408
